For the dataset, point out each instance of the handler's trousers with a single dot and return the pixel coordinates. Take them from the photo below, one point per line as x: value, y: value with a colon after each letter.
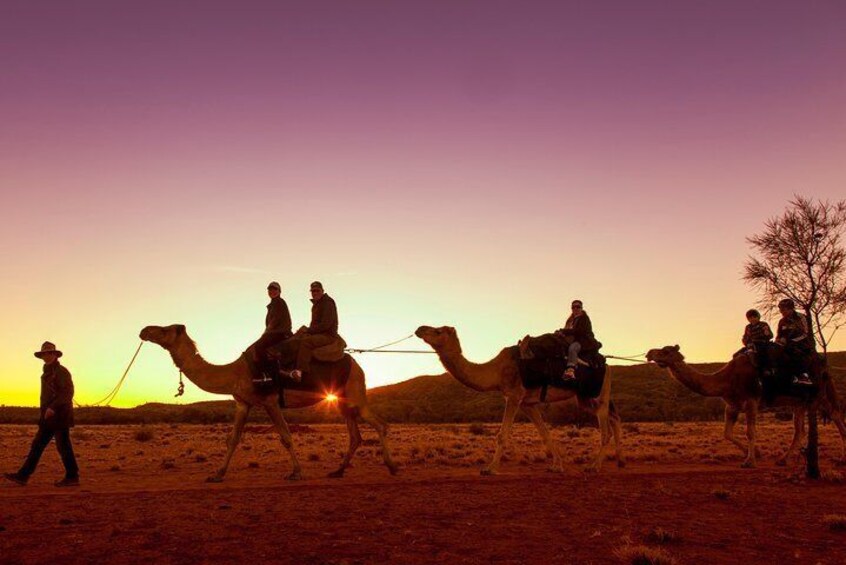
x: 63, y: 444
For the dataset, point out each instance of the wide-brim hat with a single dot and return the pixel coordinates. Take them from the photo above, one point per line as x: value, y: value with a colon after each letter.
x: 46, y: 348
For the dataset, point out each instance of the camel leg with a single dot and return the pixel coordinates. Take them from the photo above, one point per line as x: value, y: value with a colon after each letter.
x: 242, y: 410
x: 837, y: 418
x: 732, y: 412
x: 604, y: 437
x: 617, y: 430
x: 382, y: 429
x: 751, y: 425
x: 355, y: 442
x: 504, y: 434
x: 551, y: 446
x: 281, y: 426
x: 798, y: 435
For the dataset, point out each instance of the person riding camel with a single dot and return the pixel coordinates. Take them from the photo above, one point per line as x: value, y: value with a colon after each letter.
x: 277, y: 328
x: 323, y: 329
x: 794, y: 337
x: 578, y: 335
x: 756, y: 339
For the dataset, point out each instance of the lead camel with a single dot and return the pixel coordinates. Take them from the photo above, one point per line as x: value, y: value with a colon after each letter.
x: 235, y: 379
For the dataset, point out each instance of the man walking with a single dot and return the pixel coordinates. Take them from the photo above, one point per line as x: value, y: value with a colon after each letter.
x: 55, y: 421
x: 323, y: 329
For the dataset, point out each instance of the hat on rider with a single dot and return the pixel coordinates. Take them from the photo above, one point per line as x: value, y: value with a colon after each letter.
x: 275, y: 285
x: 787, y: 303
x: 753, y: 313
x: 316, y: 285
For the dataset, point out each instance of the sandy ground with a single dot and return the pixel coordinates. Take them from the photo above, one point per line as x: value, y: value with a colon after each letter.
x: 682, y: 493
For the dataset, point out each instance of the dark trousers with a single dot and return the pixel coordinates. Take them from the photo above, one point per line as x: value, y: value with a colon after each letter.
x: 308, y: 344
x: 266, y: 341
x: 63, y: 444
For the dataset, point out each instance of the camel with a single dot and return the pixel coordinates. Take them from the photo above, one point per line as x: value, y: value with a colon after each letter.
x: 736, y: 383
x: 502, y: 374
x: 235, y: 379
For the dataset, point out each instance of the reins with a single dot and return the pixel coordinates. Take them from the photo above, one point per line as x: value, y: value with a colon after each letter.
x: 107, y: 400
x: 381, y: 348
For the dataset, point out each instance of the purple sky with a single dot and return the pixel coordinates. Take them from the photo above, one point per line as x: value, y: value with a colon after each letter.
x: 510, y: 153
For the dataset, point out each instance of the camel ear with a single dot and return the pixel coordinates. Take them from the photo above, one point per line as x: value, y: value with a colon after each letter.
x: 676, y: 347
x: 180, y: 329
x: 450, y: 330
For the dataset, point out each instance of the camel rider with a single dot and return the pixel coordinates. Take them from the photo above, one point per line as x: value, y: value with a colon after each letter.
x: 756, y: 339
x: 323, y: 329
x: 578, y: 335
x: 277, y: 327
x: 797, y: 341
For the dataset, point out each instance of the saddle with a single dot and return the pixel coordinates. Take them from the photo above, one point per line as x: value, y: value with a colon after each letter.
x: 778, y: 371
x: 330, y: 368
x: 542, y: 362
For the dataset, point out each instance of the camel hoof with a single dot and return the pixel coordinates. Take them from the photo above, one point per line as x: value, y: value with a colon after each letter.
x: 747, y: 465
x: 294, y: 476
x: 336, y: 474
x: 214, y: 479
x: 393, y: 470
x: 487, y: 472
x: 781, y: 462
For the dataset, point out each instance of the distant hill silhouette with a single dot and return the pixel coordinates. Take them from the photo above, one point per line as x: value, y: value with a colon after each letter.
x: 643, y: 393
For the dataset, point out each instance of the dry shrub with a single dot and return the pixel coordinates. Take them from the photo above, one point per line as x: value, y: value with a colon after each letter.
x: 143, y: 435
x: 721, y: 493
x: 835, y: 522
x: 631, y: 428
x: 644, y: 555
x: 314, y: 457
x: 477, y: 429
x: 660, y: 535
x: 253, y: 465
x: 200, y: 458
x: 830, y: 476
x: 168, y: 464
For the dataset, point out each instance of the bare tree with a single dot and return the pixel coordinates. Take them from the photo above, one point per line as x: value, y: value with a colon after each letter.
x: 800, y: 255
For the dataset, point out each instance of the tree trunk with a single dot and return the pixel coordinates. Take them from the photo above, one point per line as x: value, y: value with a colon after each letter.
x: 812, y: 452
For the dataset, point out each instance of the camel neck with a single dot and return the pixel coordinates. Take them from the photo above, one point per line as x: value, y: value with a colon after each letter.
x: 481, y: 377
x: 216, y: 379
x: 706, y: 384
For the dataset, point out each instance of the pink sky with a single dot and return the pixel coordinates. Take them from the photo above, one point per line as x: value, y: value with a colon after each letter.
x: 476, y: 164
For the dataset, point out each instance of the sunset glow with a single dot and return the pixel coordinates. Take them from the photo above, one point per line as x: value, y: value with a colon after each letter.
x: 469, y: 164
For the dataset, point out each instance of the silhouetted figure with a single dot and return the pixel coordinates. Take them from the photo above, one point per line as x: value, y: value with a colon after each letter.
x: 55, y: 421
x: 323, y: 329
x: 578, y: 335
x: 277, y: 327
x: 794, y: 336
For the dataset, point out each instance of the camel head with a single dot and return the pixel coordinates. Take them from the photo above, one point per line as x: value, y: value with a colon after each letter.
x: 442, y: 340
x: 666, y: 356
x: 166, y: 336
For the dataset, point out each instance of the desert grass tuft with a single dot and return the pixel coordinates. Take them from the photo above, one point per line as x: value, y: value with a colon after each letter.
x: 835, y: 522
x: 143, y: 434
x: 644, y: 555
x: 662, y: 536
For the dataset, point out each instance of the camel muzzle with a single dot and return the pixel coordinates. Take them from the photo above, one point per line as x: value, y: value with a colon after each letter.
x: 421, y: 330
